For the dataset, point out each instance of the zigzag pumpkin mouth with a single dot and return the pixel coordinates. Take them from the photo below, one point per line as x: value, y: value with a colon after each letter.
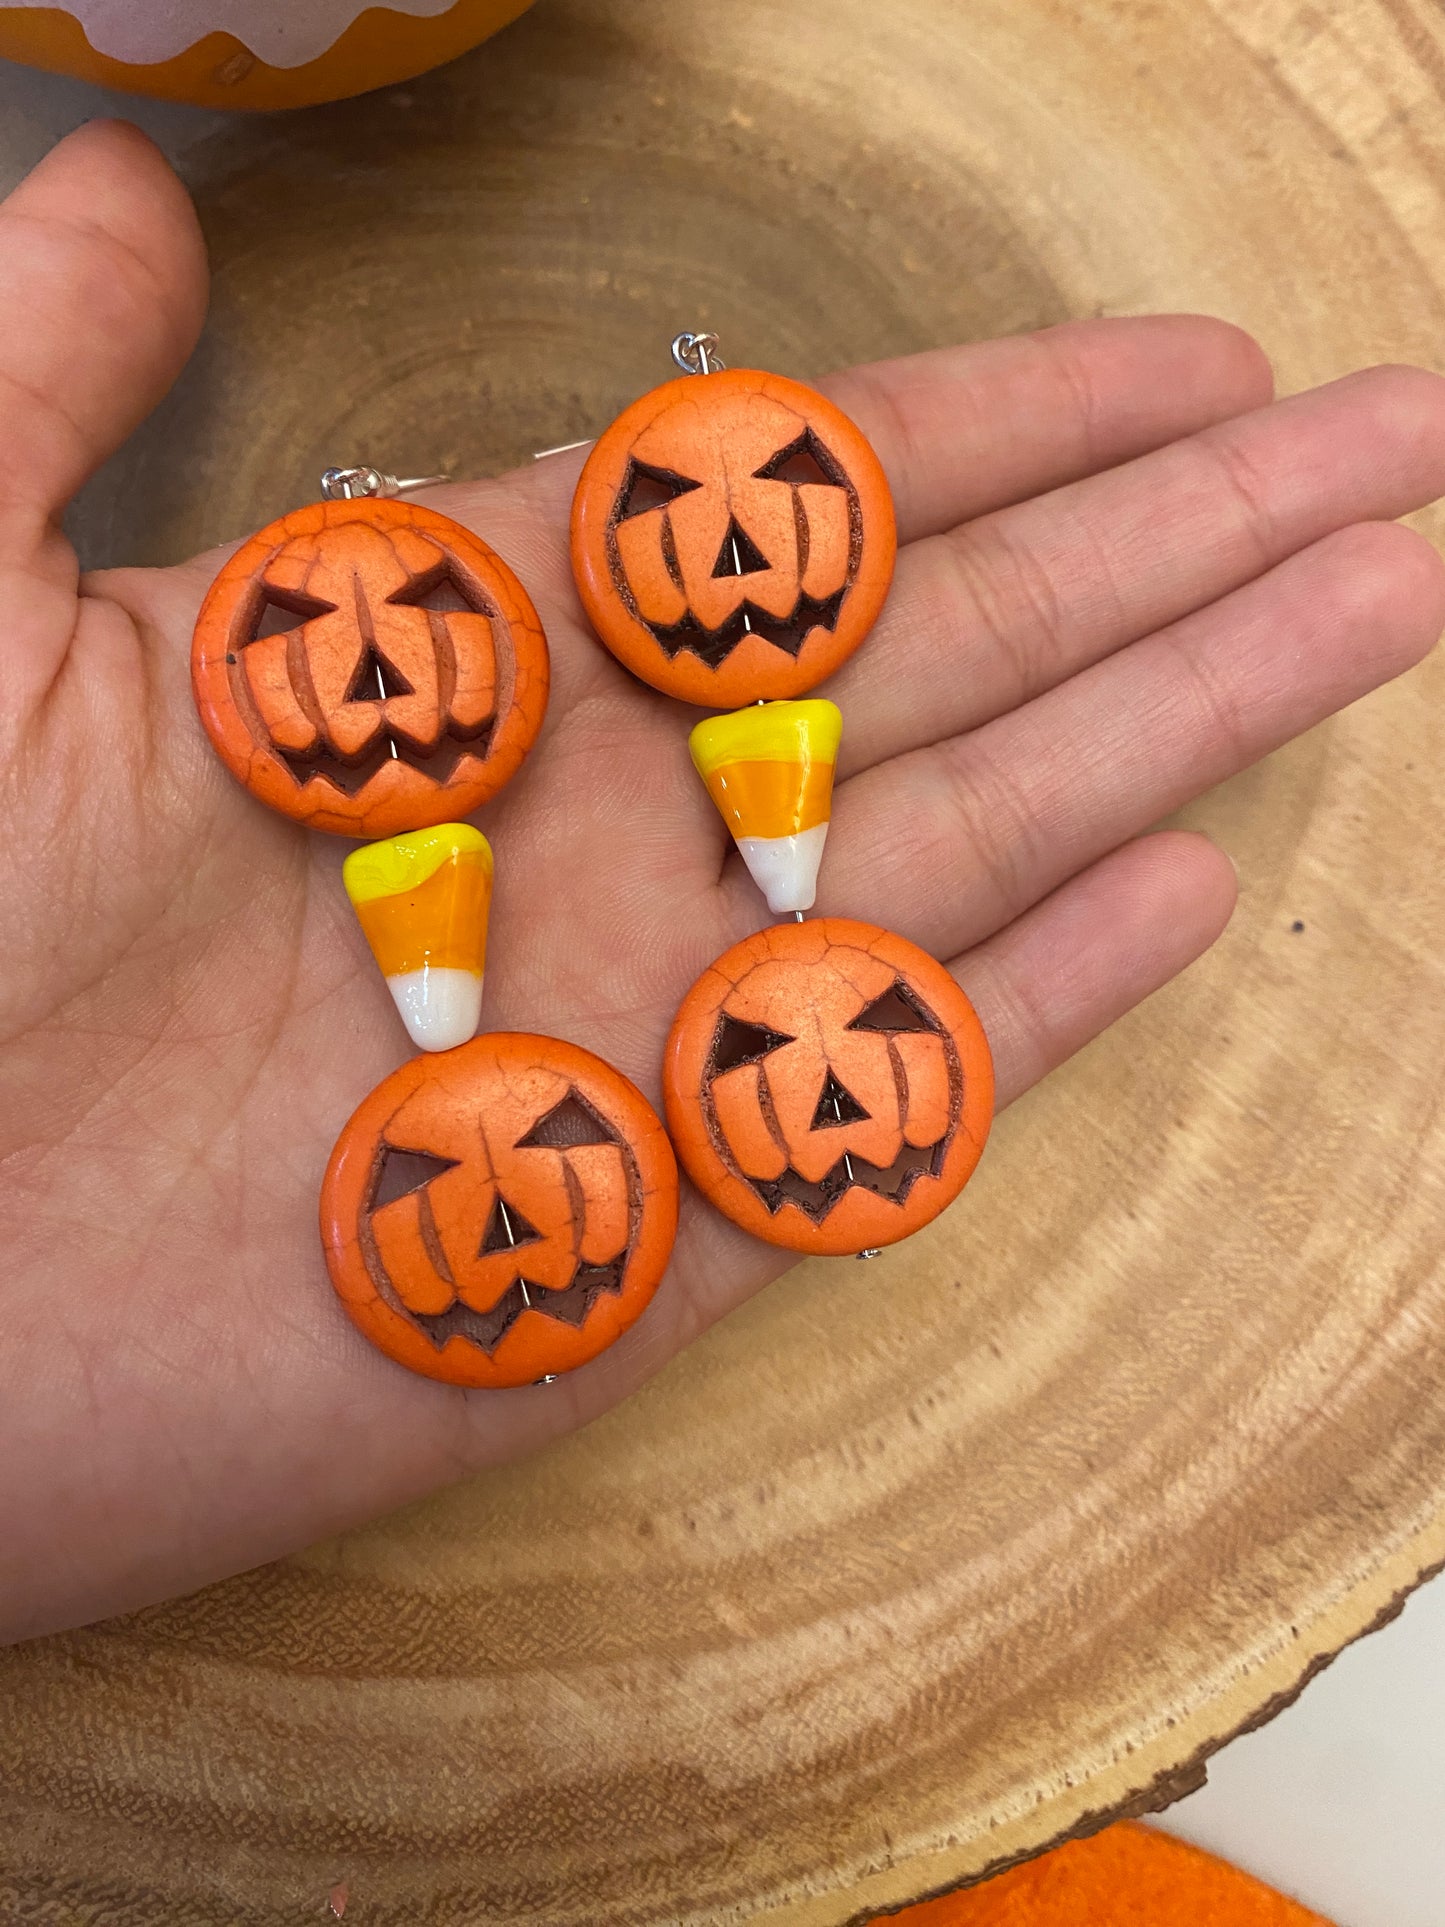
x: 714, y: 646
x: 570, y: 1306
x: 817, y: 1197
x: 440, y: 761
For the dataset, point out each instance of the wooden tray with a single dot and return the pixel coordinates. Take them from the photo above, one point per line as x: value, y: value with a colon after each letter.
x: 912, y: 1567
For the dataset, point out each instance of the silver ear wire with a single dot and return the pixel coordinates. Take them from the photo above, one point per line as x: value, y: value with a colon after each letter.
x: 345, y: 484
x: 697, y: 354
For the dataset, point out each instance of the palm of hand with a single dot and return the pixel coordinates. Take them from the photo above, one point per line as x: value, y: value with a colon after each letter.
x: 189, y: 1013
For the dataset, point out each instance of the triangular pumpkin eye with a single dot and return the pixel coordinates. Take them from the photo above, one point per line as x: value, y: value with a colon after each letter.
x: 897, y: 1009
x: 739, y: 1043
x: 566, y: 1125
x: 645, y: 487
x: 276, y: 614
x: 803, y: 462
x: 439, y: 590
x: 402, y: 1172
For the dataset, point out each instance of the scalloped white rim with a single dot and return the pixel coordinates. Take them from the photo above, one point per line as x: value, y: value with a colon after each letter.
x: 283, y: 33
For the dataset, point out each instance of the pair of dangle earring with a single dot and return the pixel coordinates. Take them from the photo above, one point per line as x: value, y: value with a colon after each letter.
x: 502, y: 1208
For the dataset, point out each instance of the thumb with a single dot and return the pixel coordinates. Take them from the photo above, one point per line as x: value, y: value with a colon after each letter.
x: 102, y: 295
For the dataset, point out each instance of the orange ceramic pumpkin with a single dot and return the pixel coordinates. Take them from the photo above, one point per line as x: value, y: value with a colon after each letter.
x: 829, y: 1086
x: 732, y: 537
x: 499, y: 1213
x: 369, y: 667
x: 248, y: 53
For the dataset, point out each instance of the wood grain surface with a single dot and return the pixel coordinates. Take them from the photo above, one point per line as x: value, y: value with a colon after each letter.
x: 910, y: 1567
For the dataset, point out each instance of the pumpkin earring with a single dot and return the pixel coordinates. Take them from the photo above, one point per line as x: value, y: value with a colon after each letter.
x: 502, y: 1208
x: 829, y: 1087
x: 772, y: 554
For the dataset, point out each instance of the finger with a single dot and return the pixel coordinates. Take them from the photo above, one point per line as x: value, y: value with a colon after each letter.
x: 963, y: 430
x: 1094, y: 949
x: 953, y: 842
x: 102, y: 295
x: 995, y: 613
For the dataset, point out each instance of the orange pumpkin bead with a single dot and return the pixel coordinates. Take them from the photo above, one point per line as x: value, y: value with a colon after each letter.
x: 829, y: 1086
x: 369, y: 667
x: 732, y: 537
x: 501, y: 1212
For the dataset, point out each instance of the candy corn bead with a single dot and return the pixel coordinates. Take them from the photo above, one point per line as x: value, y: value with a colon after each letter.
x: 422, y: 901
x: 769, y: 769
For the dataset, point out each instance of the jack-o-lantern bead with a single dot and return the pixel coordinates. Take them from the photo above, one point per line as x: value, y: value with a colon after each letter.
x: 500, y: 1213
x: 829, y: 1086
x: 369, y: 667
x: 732, y: 537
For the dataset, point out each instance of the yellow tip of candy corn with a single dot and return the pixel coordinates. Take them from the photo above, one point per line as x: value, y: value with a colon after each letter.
x: 801, y: 732
x: 401, y: 862
x: 422, y: 901
x: 769, y: 769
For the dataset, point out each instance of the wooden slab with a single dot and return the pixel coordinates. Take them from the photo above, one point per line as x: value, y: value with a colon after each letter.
x: 916, y: 1566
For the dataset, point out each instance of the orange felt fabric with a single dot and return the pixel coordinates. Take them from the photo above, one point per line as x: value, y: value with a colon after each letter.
x: 1127, y: 1876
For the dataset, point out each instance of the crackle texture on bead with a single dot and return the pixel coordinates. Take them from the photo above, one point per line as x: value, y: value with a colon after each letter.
x: 732, y: 537
x: 829, y: 1086
x: 368, y: 667
x: 499, y: 1213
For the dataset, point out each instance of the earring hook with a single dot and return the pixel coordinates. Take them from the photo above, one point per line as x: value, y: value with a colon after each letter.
x: 696, y: 354
x: 345, y: 484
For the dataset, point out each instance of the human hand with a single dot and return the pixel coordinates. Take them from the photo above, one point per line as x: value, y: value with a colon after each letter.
x: 1123, y: 577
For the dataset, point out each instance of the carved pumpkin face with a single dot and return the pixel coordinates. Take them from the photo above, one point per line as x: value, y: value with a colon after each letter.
x: 829, y: 1086
x: 369, y: 667
x: 500, y: 1212
x: 732, y: 537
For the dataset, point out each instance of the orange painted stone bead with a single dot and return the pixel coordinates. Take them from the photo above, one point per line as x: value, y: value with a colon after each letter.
x: 369, y: 667
x: 732, y: 537
x: 829, y: 1086
x: 500, y: 1212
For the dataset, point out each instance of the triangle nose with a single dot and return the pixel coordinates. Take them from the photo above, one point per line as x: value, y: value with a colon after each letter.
x: 506, y: 1229
x: 739, y: 554
x: 837, y: 1105
x: 375, y: 678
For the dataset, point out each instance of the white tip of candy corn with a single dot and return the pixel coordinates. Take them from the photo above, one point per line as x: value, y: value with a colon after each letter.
x: 785, y: 868
x: 441, y: 1008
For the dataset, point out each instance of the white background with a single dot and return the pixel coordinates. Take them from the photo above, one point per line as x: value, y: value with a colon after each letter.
x: 1340, y: 1801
